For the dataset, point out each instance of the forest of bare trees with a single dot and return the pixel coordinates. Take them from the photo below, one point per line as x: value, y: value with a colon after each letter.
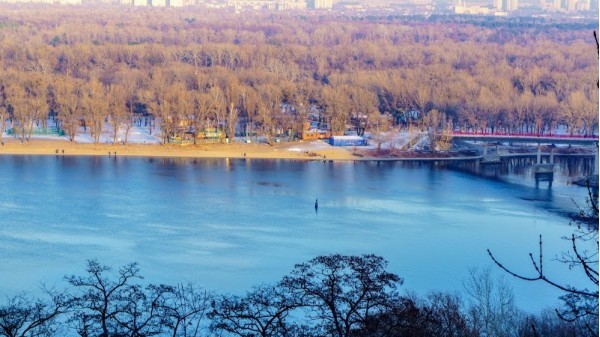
x: 329, y: 295
x: 190, y: 71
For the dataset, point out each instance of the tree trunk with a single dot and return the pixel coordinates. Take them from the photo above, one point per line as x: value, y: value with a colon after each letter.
x: 2, y: 125
x: 30, y: 131
x: 115, y: 130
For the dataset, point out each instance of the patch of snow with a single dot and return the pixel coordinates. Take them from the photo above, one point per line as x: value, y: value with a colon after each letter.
x: 137, y: 135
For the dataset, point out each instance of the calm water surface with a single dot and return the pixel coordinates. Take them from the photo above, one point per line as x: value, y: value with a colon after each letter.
x: 230, y: 224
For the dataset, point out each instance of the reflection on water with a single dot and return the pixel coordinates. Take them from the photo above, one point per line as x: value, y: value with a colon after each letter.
x: 519, y: 173
x: 566, y: 169
x: 231, y: 224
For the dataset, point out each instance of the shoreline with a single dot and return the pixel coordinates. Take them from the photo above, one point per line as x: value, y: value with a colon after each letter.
x: 294, y: 151
x: 316, y: 150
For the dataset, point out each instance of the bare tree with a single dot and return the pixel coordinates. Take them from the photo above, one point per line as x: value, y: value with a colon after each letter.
x: 69, y: 97
x: 23, y: 316
x: 117, y: 113
x: 165, y: 104
x: 581, y: 304
x: 198, y: 112
x: 269, y: 109
x: 140, y: 314
x: 302, y: 104
x: 337, y: 107
x: 342, y: 292
x: 4, y: 103
x: 447, y: 312
x: 262, y: 312
x: 217, y: 110
x: 492, y: 308
x: 183, y: 310
x: 28, y: 101
x: 130, y: 92
x: 19, y: 113
x: 380, y: 128
x: 232, y: 100
x: 99, y: 298
x: 438, y: 130
x: 96, y: 103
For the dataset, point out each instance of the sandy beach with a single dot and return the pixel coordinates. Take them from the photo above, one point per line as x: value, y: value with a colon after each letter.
x: 316, y: 150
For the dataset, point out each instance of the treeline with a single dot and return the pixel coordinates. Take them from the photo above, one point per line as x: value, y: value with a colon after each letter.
x: 521, y: 23
x: 332, y: 295
x: 188, y: 70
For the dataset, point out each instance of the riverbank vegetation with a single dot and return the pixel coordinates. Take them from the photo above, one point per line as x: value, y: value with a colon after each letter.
x: 197, y: 74
x: 331, y: 295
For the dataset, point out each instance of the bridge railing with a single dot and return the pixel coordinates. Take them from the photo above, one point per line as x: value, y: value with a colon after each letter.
x: 524, y: 135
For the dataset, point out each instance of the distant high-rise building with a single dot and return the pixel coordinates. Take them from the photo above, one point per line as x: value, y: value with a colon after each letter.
x: 506, y: 5
x: 511, y: 5
x: 295, y: 4
x: 320, y: 4
x: 557, y: 4
x: 583, y: 5
x: 140, y: 2
x: 571, y: 5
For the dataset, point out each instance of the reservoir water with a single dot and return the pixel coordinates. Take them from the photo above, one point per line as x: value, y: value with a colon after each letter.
x: 231, y: 224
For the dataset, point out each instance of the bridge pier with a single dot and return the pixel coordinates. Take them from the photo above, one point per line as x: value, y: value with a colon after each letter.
x: 490, y: 159
x: 596, y: 161
x: 591, y: 181
x: 544, y: 172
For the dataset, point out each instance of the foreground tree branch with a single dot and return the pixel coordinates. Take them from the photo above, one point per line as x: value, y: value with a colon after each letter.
x: 580, y: 304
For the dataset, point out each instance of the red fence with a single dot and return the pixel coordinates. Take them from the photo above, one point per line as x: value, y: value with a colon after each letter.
x: 516, y: 135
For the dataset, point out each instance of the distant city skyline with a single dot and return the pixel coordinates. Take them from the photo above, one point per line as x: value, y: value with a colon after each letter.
x: 503, y: 7
x: 238, y: 4
x: 461, y: 7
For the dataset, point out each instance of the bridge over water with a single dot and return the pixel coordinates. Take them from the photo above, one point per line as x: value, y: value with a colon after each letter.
x: 543, y: 171
x: 527, y: 138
